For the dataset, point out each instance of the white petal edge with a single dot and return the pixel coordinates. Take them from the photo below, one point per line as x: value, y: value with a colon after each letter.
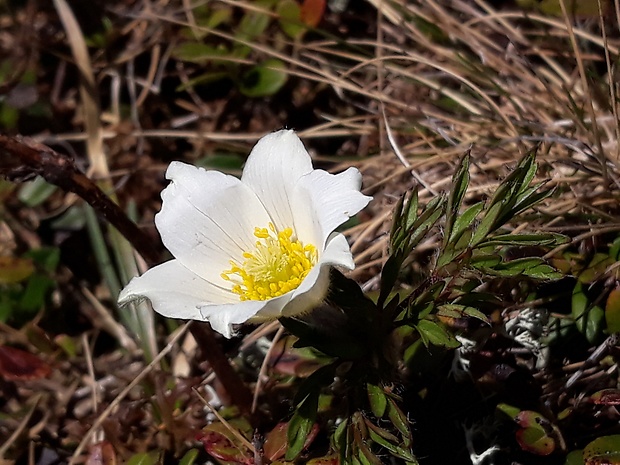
x: 174, y: 291
x: 223, y: 317
x: 323, y: 201
x: 207, y: 219
x: 272, y: 170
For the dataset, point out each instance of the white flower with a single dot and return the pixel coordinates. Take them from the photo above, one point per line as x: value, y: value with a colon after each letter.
x: 252, y: 249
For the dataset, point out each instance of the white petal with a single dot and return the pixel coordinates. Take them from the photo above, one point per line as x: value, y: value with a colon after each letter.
x: 175, y: 291
x: 222, y: 317
x: 273, y: 309
x: 337, y: 253
x: 272, y: 170
x: 207, y: 219
x: 323, y: 201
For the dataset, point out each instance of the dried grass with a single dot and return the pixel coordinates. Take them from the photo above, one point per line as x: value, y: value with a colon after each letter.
x: 439, y: 79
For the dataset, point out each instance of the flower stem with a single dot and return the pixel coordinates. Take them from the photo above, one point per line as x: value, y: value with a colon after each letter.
x: 239, y: 393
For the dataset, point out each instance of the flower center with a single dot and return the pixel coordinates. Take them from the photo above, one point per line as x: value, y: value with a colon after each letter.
x: 278, y: 264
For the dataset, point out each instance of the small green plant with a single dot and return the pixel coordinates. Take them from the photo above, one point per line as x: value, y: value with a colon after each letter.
x: 354, y: 393
x: 25, y: 283
x: 228, y: 56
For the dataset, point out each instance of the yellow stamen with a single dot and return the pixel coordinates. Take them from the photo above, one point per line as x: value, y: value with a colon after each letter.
x: 278, y: 264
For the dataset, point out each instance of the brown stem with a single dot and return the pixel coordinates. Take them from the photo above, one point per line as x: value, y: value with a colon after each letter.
x: 239, y: 393
x: 22, y: 158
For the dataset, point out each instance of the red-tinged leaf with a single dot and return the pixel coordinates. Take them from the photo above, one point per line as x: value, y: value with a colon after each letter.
x: 220, y: 447
x: 534, y: 434
x: 312, y: 12
x: 19, y: 365
x: 530, y: 419
x: 275, y: 442
x: 101, y: 453
x: 535, y: 440
x: 289, y: 360
x: 606, y: 397
x: 612, y: 311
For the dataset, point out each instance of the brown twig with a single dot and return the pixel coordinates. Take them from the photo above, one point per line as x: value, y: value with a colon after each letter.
x: 22, y: 158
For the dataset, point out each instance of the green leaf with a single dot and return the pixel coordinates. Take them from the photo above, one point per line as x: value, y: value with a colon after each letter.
x: 34, y: 295
x: 301, y: 424
x: 612, y: 311
x: 475, y: 313
x: 340, y: 441
x: 535, y: 439
x: 411, y: 211
x: 380, y: 434
x: 404, y: 218
x: 514, y: 183
x: 212, y: 17
x: 399, y: 420
x: 603, y: 450
x: 365, y: 455
x: 46, y: 257
x: 289, y: 12
x: 595, y: 268
x: 487, y: 225
x: 377, y: 399
x: 460, y: 311
x: 264, y: 79
x: 434, y: 333
x: 419, y: 307
x: 483, y: 261
x: 145, y: 458
x: 196, y: 52
x: 558, y: 329
x: 422, y: 225
x: 254, y: 23
x: 509, y: 410
x: 389, y: 275
x: 529, y: 201
x: 35, y: 192
x: 72, y: 219
x: 397, y: 215
x: 205, y: 78
x: 530, y: 171
x: 460, y: 182
x: 588, y: 317
x: 538, y: 239
x: 574, y: 458
x: 465, y: 220
x: 392, y: 447
x: 614, y: 250
x: 189, y: 458
x: 543, y: 271
x: 533, y: 267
